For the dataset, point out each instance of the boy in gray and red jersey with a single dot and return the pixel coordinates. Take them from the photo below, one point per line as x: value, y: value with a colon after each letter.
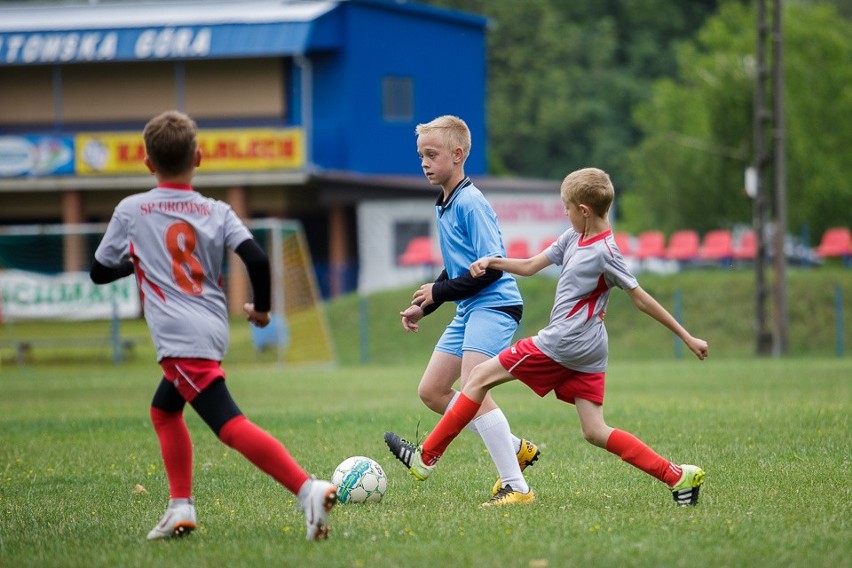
x: 174, y: 239
x: 569, y: 356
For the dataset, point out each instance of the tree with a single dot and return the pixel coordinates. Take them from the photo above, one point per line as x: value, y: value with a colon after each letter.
x: 563, y: 78
x: 697, y: 127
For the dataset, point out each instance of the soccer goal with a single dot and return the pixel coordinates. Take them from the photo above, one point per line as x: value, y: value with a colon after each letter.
x: 299, y: 331
x: 44, y: 278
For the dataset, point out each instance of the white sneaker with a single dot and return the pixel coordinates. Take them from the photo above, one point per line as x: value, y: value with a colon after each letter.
x: 178, y: 520
x: 319, y: 501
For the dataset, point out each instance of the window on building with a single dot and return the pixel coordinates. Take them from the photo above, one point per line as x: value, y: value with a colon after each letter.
x: 398, y: 98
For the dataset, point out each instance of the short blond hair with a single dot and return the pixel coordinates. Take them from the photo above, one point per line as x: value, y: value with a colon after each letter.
x: 170, y: 142
x: 590, y: 187
x: 453, y: 130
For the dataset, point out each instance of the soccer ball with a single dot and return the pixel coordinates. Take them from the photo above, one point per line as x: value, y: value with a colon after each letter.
x: 360, y: 479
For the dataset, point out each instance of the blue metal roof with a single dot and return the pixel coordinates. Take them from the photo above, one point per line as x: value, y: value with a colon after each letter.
x: 38, y: 34
x: 45, y: 34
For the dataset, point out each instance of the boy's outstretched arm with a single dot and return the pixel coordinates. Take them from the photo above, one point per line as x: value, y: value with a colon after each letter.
x: 519, y: 266
x: 644, y: 302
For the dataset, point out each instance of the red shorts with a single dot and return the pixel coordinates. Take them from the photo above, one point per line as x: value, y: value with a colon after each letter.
x: 528, y: 364
x: 191, y: 376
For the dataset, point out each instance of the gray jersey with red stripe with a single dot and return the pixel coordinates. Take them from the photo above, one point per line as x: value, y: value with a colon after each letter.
x: 576, y: 337
x: 177, y: 240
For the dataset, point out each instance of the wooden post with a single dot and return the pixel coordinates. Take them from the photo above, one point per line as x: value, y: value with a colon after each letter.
x: 75, y: 256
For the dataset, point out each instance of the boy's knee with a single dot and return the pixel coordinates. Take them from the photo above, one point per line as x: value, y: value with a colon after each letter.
x: 433, y: 399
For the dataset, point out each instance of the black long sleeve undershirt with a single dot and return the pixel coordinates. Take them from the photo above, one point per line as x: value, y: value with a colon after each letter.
x: 257, y: 266
x: 447, y: 289
x: 101, y: 274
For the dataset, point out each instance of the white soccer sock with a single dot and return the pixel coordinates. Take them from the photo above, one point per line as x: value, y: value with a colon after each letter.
x: 516, y: 442
x: 494, y: 430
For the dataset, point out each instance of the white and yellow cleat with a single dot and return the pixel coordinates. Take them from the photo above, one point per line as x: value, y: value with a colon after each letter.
x: 508, y: 496
x: 527, y: 456
x: 409, y: 455
x: 685, y: 491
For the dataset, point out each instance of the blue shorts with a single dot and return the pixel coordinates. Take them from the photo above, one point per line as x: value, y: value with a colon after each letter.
x: 480, y: 329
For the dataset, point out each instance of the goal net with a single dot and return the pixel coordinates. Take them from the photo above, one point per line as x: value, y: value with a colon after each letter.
x: 44, y: 279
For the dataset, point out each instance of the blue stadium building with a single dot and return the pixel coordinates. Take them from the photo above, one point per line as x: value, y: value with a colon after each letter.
x: 307, y: 108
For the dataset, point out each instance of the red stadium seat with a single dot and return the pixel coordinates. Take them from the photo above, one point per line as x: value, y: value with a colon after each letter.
x: 717, y: 245
x: 746, y: 246
x: 518, y: 248
x: 683, y: 245
x: 624, y: 242
x: 546, y: 242
x: 651, y: 244
x: 418, y: 252
x: 836, y: 241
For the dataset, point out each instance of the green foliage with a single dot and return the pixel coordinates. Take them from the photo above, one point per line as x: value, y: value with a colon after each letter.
x: 564, y: 76
x: 688, y: 170
x: 77, y: 441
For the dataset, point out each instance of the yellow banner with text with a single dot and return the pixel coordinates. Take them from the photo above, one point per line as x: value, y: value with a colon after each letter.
x: 109, y: 153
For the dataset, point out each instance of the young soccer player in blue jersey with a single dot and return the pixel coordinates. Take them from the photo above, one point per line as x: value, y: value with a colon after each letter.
x: 488, y: 308
x: 569, y: 356
x: 174, y: 239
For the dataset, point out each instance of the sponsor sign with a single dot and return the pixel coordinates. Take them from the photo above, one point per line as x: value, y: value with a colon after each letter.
x: 153, y: 43
x: 34, y: 155
x: 222, y: 151
x: 66, y: 296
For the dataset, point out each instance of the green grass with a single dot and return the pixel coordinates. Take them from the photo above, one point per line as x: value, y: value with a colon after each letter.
x: 773, y: 436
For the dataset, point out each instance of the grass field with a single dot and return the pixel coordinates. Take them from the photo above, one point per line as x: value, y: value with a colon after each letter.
x: 773, y: 436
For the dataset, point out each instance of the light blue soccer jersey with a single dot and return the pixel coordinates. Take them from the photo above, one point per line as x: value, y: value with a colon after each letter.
x: 467, y: 231
x: 576, y: 337
x: 177, y: 239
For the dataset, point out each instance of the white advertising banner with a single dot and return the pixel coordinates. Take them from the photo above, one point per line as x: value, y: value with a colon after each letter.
x: 65, y: 296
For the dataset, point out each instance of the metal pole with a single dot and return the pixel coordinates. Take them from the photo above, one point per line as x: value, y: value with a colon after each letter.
x: 838, y: 320
x: 364, y: 325
x: 763, y: 337
x: 678, y: 314
x: 779, y: 343
x: 279, y: 294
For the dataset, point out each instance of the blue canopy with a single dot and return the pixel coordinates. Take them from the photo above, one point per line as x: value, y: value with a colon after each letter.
x: 34, y: 35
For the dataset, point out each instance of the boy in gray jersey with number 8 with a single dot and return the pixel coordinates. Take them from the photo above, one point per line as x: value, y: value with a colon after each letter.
x: 569, y: 356
x: 174, y: 240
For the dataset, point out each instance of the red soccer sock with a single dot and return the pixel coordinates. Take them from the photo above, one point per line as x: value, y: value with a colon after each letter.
x: 264, y: 451
x: 450, y: 425
x: 635, y: 452
x: 176, y: 449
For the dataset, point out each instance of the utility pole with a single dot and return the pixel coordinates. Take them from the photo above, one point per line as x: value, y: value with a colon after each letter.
x: 779, y: 343
x: 763, y: 337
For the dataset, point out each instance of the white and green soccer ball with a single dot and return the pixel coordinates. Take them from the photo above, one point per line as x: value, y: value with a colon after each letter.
x: 360, y: 479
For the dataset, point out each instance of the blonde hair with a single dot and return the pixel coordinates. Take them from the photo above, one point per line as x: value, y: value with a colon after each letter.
x: 170, y: 142
x: 453, y: 130
x: 590, y: 187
